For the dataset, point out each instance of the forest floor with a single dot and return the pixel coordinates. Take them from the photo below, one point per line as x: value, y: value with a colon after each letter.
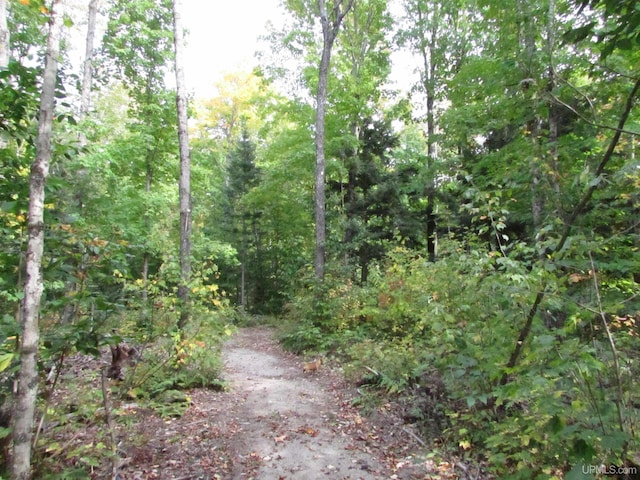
x: 274, y: 421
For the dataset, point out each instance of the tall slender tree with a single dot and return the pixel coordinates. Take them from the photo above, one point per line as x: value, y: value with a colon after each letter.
x: 243, y: 175
x: 185, y: 167
x: 87, y: 68
x: 330, y: 19
x: 25, y: 400
x: 432, y: 31
x: 139, y: 42
x: 363, y: 65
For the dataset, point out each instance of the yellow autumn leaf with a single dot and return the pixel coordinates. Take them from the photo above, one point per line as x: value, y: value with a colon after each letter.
x: 5, y: 361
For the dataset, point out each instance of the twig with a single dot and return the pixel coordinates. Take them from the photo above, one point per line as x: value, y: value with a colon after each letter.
x: 612, y: 345
x: 466, y: 469
x: 377, y: 374
x: 65, y: 445
x: 417, y: 438
x: 591, y: 122
x: 58, y: 367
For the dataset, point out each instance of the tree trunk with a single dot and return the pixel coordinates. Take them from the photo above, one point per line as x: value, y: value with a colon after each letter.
x: 185, y: 169
x: 320, y: 176
x: 25, y: 399
x: 146, y: 257
x: 87, y: 68
x: 553, y: 112
x: 527, y: 35
x: 5, y: 51
x: 87, y: 73
x: 428, y: 50
x: 330, y: 29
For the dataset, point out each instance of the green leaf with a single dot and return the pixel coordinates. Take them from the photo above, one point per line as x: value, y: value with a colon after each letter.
x: 556, y: 424
x: 545, y: 340
x: 584, y: 450
x: 596, y: 181
x: 578, y: 472
x: 5, y: 361
x: 615, y: 441
x: 579, y: 34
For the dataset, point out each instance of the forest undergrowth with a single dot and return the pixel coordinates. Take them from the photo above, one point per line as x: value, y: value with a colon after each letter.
x: 438, y: 337
x: 431, y: 341
x: 155, y: 422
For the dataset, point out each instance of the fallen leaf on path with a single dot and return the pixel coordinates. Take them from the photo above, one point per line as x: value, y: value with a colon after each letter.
x: 280, y: 439
x: 308, y: 431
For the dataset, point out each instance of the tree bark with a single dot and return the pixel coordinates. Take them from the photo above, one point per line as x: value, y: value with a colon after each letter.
x: 87, y: 68
x: 330, y: 27
x: 428, y: 54
x: 185, y: 168
x: 320, y: 175
x: 5, y: 51
x: 553, y: 111
x: 25, y: 399
x: 149, y: 158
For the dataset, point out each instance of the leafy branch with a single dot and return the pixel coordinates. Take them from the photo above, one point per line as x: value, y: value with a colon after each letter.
x: 570, y: 222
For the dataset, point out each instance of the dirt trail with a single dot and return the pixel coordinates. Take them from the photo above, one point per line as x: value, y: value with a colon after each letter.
x: 275, y: 422
x: 294, y: 424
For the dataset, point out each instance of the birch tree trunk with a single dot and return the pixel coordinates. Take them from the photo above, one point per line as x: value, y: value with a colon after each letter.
x: 4, y: 36
x: 330, y: 27
x: 25, y: 398
x: 87, y: 68
x: 185, y: 169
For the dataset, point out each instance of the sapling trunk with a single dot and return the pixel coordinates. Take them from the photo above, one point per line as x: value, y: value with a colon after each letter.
x: 27, y: 391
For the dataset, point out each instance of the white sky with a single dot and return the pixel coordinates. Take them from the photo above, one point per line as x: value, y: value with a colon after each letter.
x: 222, y: 37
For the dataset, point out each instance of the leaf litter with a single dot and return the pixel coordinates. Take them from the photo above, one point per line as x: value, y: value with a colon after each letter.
x: 273, y: 422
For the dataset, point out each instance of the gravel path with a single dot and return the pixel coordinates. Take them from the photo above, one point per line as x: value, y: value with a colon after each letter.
x: 295, y: 425
x: 275, y: 422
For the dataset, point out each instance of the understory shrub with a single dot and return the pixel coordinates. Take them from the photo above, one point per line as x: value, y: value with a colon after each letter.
x: 569, y: 399
x: 168, y: 365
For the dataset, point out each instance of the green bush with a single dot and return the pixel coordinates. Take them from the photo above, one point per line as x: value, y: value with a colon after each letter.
x: 568, y: 400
